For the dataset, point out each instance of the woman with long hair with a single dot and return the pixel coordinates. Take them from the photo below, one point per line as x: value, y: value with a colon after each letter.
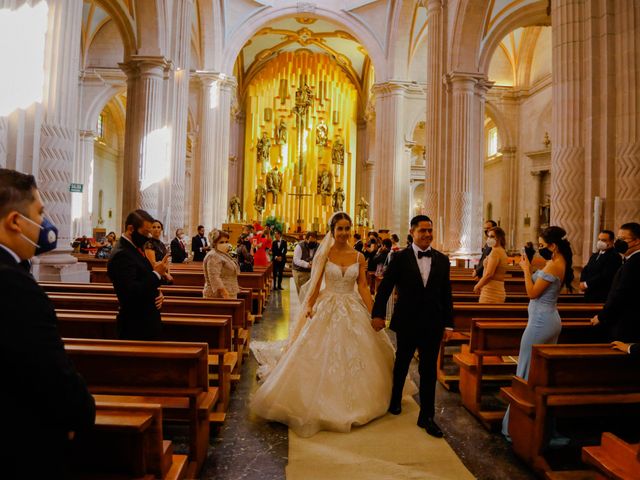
x: 491, y: 285
x: 543, y: 288
x: 335, y: 371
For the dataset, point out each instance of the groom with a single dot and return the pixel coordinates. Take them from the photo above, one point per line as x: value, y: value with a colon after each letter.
x: 422, y: 314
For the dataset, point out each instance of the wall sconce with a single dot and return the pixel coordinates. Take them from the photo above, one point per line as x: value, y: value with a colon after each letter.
x: 268, y: 114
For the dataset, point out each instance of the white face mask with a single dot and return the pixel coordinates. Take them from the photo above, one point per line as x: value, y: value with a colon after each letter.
x: 224, y: 247
x: 181, y: 236
x: 601, y: 245
x: 491, y: 242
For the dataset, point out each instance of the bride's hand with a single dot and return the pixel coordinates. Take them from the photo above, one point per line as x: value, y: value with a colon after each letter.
x: 378, y: 323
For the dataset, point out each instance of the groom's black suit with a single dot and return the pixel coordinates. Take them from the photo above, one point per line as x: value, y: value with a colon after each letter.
x: 419, y: 318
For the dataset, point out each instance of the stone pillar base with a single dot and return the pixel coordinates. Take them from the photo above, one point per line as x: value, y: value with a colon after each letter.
x: 60, y: 267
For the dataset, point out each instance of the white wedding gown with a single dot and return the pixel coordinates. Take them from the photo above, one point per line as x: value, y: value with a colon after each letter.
x: 338, y: 372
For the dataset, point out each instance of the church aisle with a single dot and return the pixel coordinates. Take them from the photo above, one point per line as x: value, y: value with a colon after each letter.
x: 253, y: 450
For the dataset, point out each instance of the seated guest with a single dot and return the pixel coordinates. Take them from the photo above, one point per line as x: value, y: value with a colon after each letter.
x: 199, y: 245
x: 220, y: 270
x: 598, y: 273
x: 84, y: 245
x: 155, y: 249
x: 618, y: 317
x: 44, y: 399
x: 105, y: 250
x: 630, y: 348
x: 178, y: 248
x: 494, y: 268
x: 243, y: 253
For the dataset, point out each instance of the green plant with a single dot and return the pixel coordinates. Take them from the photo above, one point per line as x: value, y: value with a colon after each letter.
x: 275, y: 223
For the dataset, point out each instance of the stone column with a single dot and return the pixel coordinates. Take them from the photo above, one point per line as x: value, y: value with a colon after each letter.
x: 391, y: 173
x: 567, y: 155
x: 215, y: 118
x: 146, y: 144
x: 60, y: 102
x: 4, y: 139
x: 627, y: 122
x: 84, y: 174
x: 433, y: 125
x: 509, y: 194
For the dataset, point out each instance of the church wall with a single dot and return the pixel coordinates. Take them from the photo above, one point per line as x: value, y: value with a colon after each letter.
x: 106, y: 49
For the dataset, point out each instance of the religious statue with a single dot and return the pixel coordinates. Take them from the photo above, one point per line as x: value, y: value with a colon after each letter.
x: 263, y: 150
x: 260, y: 199
x: 338, y: 200
x: 281, y: 133
x: 324, y: 183
x: 322, y: 134
x: 234, y: 209
x: 337, y: 151
x: 274, y: 183
x: 304, y: 100
x: 363, y: 213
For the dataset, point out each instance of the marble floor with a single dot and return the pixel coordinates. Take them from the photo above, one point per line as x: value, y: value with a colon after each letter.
x: 245, y: 448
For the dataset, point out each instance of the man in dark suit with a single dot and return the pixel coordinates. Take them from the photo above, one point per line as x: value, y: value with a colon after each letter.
x: 178, y: 248
x: 358, y: 246
x: 136, y: 281
x: 619, y: 316
x: 486, y: 250
x: 199, y: 245
x: 279, y: 255
x: 422, y: 314
x: 598, y: 273
x: 46, y: 403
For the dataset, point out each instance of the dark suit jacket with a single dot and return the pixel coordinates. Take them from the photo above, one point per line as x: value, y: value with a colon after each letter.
x: 43, y: 396
x: 359, y: 246
x: 619, y: 315
x: 178, y: 252
x: 419, y: 310
x: 279, y: 249
x: 598, y: 273
x: 486, y: 250
x: 635, y: 350
x: 196, y: 247
x: 137, y: 288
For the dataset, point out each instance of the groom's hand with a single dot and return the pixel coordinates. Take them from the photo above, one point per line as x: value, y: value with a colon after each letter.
x: 378, y: 323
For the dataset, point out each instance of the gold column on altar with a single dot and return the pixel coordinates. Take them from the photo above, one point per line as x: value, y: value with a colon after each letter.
x: 269, y: 105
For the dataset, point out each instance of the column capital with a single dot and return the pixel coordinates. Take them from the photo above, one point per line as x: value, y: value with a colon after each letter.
x: 397, y: 86
x: 136, y: 65
x: 87, y: 135
x: 508, y: 150
x: 432, y: 5
x: 208, y: 78
x: 465, y: 80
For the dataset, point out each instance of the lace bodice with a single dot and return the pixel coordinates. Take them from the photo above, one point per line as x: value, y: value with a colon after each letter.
x: 339, y: 279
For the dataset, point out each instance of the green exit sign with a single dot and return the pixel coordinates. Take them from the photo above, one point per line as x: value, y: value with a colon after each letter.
x: 75, y: 188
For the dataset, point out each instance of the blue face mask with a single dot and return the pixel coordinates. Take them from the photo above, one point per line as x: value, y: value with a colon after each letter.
x: 48, y: 238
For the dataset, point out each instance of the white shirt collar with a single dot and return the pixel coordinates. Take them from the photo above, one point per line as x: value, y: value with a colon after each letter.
x: 12, y: 253
x: 627, y: 257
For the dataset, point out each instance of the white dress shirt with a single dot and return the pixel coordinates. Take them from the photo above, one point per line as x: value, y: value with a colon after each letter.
x: 297, y: 257
x: 424, y: 263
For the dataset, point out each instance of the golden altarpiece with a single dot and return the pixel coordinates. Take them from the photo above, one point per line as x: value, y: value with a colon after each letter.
x: 300, y: 141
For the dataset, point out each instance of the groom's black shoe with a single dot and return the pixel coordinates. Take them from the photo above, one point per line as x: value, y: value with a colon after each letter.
x: 395, y: 409
x: 431, y: 427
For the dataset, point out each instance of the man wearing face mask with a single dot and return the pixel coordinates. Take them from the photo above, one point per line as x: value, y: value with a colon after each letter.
x: 486, y: 250
x: 598, y: 273
x: 303, y: 258
x: 136, y: 281
x: 178, y: 248
x: 619, y: 316
x: 45, y: 400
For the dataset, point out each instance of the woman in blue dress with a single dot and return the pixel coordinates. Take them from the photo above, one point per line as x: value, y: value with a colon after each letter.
x: 543, y: 288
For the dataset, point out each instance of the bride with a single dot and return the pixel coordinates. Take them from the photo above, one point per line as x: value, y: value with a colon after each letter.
x: 336, y: 370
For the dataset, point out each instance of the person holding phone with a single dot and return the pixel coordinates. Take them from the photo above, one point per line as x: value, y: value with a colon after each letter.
x: 155, y: 250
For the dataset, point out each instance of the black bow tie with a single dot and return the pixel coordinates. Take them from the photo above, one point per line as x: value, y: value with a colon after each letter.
x: 426, y: 253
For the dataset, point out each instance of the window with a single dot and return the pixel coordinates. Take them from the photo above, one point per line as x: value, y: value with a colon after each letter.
x: 100, y: 127
x: 492, y: 142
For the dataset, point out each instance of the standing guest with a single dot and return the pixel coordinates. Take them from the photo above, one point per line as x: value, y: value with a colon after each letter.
x: 105, y: 250
x: 243, y: 253
x: 303, y: 258
x: 136, y: 281
x: 178, y: 248
x: 262, y: 245
x: 619, y: 317
x: 155, y: 249
x: 279, y: 255
x: 486, y: 250
x: 199, y: 245
x: 358, y: 245
x: 395, y: 243
x: 491, y: 285
x: 220, y: 270
x: 423, y: 313
x: 543, y: 288
x: 597, y: 275
x: 370, y: 251
x: 380, y: 260
x: 45, y: 401
x: 409, y: 240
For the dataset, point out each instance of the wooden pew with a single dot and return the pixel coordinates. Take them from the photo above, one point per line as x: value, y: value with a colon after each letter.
x: 464, y: 312
x: 126, y: 442
x: 174, y: 375
x: 569, y: 380
x: 517, y: 298
x: 214, y: 330
x: 614, y: 457
x: 481, y: 361
x: 465, y: 284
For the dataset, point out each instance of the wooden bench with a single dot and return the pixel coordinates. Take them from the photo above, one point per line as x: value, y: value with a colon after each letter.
x: 214, y: 330
x: 614, y: 457
x: 464, y: 312
x: 465, y: 284
x: 482, y: 360
x: 173, y: 375
x: 569, y: 380
x: 517, y: 298
x: 126, y: 442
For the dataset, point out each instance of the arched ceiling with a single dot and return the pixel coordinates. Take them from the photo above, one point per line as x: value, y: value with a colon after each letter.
x: 316, y: 35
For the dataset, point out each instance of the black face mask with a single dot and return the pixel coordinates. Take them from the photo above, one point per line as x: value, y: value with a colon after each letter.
x: 620, y: 246
x: 545, y: 253
x: 138, y: 239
